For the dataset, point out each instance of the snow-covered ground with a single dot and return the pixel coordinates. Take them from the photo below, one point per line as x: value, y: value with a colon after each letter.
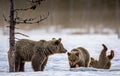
x: 58, y: 64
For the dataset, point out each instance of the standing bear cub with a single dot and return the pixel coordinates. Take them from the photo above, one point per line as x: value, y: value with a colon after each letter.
x: 37, y: 52
x: 78, y: 57
x: 104, y: 61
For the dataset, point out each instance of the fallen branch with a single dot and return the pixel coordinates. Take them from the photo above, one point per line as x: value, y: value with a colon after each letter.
x: 17, y: 38
x: 21, y: 34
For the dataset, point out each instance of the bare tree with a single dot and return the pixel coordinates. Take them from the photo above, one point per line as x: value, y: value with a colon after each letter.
x: 16, y: 19
x: 12, y: 37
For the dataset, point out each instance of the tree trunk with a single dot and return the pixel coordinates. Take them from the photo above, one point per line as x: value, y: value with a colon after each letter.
x: 12, y: 39
x: 117, y: 17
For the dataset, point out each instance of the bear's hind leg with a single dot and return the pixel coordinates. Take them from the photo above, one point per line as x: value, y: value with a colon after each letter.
x: 21, y: 69
x: 102, y: 56
x: 86, y: 64
x: 111, y: 55
x: 103, y: 52
x: 37, y: 61
x: 35, y: 65
x: 17, y: 64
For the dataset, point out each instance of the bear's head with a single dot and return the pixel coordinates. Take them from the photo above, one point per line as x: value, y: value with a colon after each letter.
x: 73, y: 58
x: 94, y: 63
x: 56, y: 46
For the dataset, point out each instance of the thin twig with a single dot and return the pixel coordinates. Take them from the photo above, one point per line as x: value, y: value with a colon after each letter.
x: 25, y: 20
x: 5, y: 18
x: 17, y: 38
x: 21, y: 9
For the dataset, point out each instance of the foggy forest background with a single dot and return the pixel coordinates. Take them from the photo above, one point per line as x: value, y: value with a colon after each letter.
x: 96, y: 15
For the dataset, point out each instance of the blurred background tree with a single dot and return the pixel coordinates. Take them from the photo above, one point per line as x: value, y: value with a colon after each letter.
x: 86, y: 14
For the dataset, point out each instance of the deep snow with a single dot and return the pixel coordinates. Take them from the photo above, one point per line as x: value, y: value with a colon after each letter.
x: 58, y: 64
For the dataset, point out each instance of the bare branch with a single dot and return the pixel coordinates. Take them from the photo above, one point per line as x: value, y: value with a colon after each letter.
x: 16, y: 15
x: 41, y: 19
x: 33, y: 7
x: 17, y: 38
x: 21, y: 9
x: 31, y: 20
x: 25, y: 20
x: 21, y: 34
x: 5, y: 18
x: 21, y: 22
x: 36, y: 1
x: 9, y: 27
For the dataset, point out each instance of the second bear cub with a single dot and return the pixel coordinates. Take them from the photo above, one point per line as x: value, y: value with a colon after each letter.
x: 78, y: 57
x: 104, y: 61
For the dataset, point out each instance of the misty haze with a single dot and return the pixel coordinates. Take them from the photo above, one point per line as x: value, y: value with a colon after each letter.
x: 84, y: 16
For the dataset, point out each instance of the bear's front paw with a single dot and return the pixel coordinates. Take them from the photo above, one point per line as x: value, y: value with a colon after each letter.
x: 77, y: 66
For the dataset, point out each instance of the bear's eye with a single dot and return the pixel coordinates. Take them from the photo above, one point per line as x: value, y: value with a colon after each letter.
x: 72, y: 60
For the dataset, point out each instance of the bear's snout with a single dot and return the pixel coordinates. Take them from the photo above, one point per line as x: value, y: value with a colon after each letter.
x: 65, y: 51
x: 73, y: 66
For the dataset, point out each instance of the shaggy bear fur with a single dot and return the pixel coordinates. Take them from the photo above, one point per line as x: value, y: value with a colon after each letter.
x: 37, y: 52
x: 78, y: 57
x: 104, y: 61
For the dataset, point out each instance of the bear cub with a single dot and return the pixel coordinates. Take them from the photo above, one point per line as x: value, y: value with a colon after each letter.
x: 104, y: 61
x: 78, y: 57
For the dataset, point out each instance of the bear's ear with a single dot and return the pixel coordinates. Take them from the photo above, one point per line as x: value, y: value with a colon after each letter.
x: 53, y: 38
x: 59, y: 39
x: 69, y: 53
x: 57, y: 42
x: 77, y: 54
x: 92, y: 58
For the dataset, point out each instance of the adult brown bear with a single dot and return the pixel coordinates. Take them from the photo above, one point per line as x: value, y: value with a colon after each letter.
x: 37, y: 52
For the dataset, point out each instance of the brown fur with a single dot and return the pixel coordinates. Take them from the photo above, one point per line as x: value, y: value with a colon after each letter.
x: 37, y: 52
x: 78, y: 57
x: 104, y: 61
